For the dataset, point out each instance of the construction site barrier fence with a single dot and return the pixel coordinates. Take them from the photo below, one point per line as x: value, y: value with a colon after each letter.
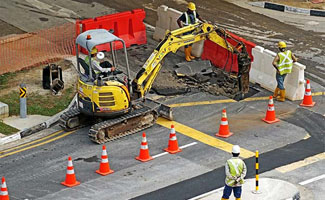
x: 263, y: 73
x: 31, y: 49
x: 126, y: 25
x: 222, y: 58
x: 167, y: 20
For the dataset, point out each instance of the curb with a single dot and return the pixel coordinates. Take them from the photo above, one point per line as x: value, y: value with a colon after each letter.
x: 289, y: 9
x: 29, y: 131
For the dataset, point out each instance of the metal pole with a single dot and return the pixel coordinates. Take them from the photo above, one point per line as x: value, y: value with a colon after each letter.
x: 22, y: 100
x: 256, y: 176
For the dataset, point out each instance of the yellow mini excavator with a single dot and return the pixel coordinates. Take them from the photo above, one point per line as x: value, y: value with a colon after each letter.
x: 113, y: 105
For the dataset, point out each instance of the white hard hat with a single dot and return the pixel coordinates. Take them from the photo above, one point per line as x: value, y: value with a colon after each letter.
x: 235, y: 149
x: 100, y: 55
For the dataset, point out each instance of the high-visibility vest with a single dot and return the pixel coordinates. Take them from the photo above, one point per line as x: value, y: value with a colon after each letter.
x: 285, y: 64
x: 188, y: 20
x: 236, y: 167
x: 88, y: 63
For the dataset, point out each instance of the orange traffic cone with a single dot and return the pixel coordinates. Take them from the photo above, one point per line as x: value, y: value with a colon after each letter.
x: 307, y: 101
x: 172, y: 144
x: 4, y: 191
x: 104, y: 165
x: 144, y: 151
x: 70, y: 178
x: 270, y: 113
x: 224, y: 128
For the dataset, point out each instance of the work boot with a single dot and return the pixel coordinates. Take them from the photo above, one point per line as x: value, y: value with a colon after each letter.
x: 190, y: 50
x: 276, y: 92
x: 223, y: 199
x: 237, y: 198
x: 282, y: 95
x: 187, y: 54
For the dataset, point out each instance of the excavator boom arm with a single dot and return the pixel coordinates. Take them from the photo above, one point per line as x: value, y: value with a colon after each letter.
x: 171, y: 43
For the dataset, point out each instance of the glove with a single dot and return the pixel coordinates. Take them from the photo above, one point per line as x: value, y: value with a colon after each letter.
x: 238, y: 179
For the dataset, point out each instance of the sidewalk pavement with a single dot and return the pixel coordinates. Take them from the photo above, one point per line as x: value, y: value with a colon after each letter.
x: 23, y: 123
x: 269, y: 189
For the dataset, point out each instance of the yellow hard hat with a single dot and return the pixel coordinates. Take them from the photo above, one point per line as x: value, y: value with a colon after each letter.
x: 94, y: 50
x: 191, y: 6
x: 282, y: 44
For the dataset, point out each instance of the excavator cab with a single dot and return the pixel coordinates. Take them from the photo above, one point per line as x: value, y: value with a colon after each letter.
x: 102, y: 94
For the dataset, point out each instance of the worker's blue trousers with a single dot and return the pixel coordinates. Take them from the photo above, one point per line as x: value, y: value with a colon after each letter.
x: 227, y: 191
x: 280, y: 80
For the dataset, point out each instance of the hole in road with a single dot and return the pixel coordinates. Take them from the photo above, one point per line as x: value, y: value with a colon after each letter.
x: 43, y: 19
x: 90, y: 159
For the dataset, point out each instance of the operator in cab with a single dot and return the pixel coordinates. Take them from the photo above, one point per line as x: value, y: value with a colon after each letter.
x: 99, y: 66
x: 187, y: 18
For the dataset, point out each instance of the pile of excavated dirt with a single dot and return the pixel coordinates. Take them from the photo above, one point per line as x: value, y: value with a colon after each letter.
x: 216, y: 83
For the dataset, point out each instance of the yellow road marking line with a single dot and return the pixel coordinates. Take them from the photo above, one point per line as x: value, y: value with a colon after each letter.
x: 256, y: 98
x: 318, y: 93
x: 302, y: 163
x: 201, y: 103
x: 36, y: 145
x: 202, y: 137
x: 306, y: 136
x: 32, y: 142
x: 197, y: 103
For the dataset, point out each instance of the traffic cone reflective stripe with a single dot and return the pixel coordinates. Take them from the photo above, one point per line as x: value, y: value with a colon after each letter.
x: 308, y: 100
x: 172, y: 143
x: 70, y: 178
x: 144, y: 150
x: 224, y: 128
x: 104, y: 165
x: 4, y: 191
x: 270, y: 113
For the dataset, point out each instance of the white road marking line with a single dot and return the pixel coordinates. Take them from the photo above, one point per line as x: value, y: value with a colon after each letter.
x: 182, y: 147
x: 187, y: 145
x: 207, y: 194
x: 161, y: 154
x: 312, y: 180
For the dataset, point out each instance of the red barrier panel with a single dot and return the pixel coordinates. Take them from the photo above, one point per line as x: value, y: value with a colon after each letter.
x: 222, y: 58
x: 126, y: 25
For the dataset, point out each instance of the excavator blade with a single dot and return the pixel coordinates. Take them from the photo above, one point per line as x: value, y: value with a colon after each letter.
x: 162, y: 109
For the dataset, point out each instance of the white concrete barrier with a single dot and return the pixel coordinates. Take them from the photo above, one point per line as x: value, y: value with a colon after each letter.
x: 167, y: 20
x: 263, y: 73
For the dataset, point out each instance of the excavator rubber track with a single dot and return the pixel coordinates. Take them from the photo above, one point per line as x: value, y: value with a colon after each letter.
x: 72, y: 113
x: 138, y: 119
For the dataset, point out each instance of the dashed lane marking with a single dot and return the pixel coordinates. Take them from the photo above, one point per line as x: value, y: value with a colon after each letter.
x: 197, y: 103
x: 182, y: 147
x: 302, y: 163
x: 32, y: 142
x: 36, y: 145
x: 202, y: 137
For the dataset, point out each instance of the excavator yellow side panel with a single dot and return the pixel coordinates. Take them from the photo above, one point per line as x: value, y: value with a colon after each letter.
x: 111, y: 97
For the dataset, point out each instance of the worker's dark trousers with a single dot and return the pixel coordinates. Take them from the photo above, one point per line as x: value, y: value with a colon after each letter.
x: 227, y: 191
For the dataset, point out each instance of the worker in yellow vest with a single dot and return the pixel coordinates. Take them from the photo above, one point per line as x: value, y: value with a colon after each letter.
x: 98, y: 66
x: 283, y: 63
x: 187, y: 18
x: 235, y: 173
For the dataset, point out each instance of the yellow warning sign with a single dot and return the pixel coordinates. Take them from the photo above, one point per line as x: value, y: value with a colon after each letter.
x: 22, y: 92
